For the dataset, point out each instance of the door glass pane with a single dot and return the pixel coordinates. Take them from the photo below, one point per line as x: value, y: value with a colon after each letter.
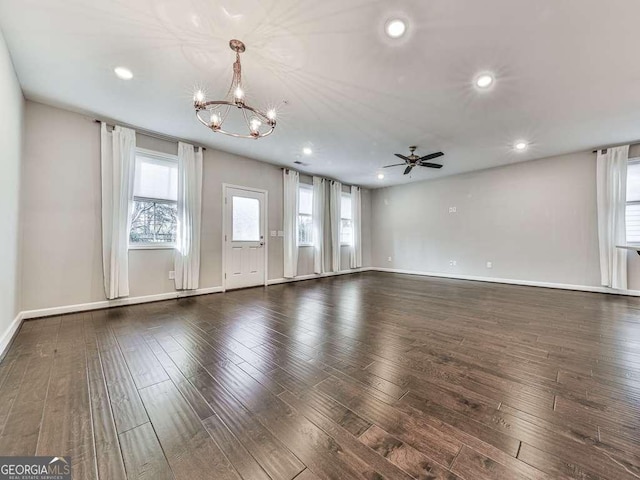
x: 246, y: 219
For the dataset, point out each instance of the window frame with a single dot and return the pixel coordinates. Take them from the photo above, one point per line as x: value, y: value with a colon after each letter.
x: 309, y: 187
x: 343, y: 244
x: 152, y: 245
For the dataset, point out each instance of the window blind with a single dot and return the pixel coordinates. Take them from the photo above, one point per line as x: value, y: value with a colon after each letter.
x: 156, y: 178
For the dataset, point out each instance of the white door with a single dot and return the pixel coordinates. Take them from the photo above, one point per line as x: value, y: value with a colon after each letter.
x: 244, y: 237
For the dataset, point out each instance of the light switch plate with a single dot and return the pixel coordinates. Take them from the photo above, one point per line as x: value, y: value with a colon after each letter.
x: 281, y: 233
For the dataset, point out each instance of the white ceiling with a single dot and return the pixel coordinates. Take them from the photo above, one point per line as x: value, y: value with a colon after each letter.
x: 567, y: 74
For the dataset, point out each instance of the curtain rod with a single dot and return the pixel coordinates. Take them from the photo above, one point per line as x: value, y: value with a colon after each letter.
x: 312, y: 175
x: 632, y: 144
x: 150, y: 133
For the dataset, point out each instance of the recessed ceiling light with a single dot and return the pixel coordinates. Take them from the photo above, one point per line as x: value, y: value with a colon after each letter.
x: 395, y: 28
x: 380, y: 176
x: 521, y: 146
x: 307, y: 151
x: 123, y: 73
x: 484, y: 81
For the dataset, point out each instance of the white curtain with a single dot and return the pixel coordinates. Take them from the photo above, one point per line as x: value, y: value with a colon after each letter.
x: 335, y: 203
x: 291, y: 183
x: 187, y: 253
x: 355, y: 260
x: 319, y: 194
x: 117, y: 159
x: 612, y: 200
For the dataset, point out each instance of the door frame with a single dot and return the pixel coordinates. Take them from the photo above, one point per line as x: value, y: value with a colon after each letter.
x: 225, y: 187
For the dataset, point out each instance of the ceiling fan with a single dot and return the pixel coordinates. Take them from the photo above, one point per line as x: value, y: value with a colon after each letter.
x: 414, y: 160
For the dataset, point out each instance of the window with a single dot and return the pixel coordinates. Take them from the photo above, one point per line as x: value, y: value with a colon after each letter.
x: 633, y: 202
x: 346, y: 222
x: 305, y: 216
x: 155, y: 200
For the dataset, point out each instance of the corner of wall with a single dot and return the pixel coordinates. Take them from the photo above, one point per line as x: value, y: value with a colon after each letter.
x: 12, y: 128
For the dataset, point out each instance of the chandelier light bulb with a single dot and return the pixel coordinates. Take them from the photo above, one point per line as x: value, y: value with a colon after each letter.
x: 271, y: 114
x: 198, y: 97
x: 216, y: 121
x: 254, y: 126
x: 238, y: 93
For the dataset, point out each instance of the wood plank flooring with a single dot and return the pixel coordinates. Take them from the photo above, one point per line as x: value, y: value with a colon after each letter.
x: 363, y: 376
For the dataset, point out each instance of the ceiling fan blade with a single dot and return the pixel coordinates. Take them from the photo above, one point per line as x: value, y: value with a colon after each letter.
x: 396, y: 165
x: 408, y: 169
x: 403, y: 158
x: 431, y: 165
x: 431, y: 156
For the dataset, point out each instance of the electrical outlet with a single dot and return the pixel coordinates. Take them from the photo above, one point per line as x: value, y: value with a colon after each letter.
x: 489, y: 265
x: 389, y: 259
x: 452, y: 263
x: 274, y: 233
x: 281, y: 233
x: 172, y: 275
x: 453, y: 209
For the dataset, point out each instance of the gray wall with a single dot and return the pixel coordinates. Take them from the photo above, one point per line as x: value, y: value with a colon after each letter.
x: 534, y: 221
x: 11, y: 138
x: 61, y: 215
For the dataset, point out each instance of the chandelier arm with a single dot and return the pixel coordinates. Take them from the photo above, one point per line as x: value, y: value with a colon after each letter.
x: 246, y: 119
x: 238, y: 135
x: 226, y: 113
x: 204, y: 105
x: 271, y: 126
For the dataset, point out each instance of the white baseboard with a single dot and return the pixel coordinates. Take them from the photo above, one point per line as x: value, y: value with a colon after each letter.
x: 200, y: 291
x: 312, y: 276
x: 9, y: 335
x: 83, y: 307
x: 526, y: 283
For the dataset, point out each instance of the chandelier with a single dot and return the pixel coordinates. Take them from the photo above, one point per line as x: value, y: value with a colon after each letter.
x: 214, y: 113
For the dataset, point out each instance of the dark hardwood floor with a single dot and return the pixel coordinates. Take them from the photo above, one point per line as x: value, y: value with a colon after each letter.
x: 365, y: 376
